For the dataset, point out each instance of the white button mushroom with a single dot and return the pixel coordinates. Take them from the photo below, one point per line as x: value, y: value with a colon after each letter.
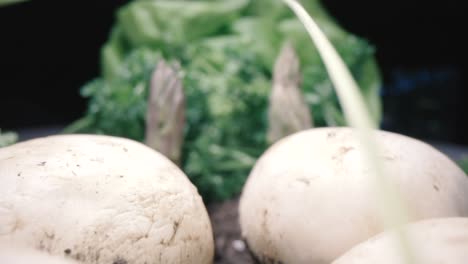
x: 100, y: 199
x: 309, y: 198
x: 19, y: 255
x: 433, y: 241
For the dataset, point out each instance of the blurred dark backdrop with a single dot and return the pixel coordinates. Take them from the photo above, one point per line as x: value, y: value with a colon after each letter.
x: 48, y: 49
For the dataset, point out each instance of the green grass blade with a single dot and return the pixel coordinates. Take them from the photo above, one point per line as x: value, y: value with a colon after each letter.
x: 393, y: 212
x: 10, y: 2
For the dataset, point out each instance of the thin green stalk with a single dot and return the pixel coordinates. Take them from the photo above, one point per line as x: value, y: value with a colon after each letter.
x: 393, y: 210
x: 10, y: 2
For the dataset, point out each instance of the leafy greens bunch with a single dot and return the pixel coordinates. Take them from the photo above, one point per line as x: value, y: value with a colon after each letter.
x: 226, y: 50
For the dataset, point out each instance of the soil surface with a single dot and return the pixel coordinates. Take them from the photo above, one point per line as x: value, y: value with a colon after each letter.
x: 230, y: 248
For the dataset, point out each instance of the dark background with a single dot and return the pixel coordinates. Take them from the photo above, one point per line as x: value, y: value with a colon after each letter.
x: 48, y: 49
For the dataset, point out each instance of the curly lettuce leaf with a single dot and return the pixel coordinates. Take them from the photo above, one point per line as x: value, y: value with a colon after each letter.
x: 163, y: 24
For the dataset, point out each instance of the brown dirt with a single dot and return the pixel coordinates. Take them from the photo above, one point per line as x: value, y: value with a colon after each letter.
x: 230, y: 248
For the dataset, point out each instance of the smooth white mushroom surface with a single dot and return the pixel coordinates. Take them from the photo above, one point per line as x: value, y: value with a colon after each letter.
x: 100, y: 199
x: 18, y: 255
x: 433, y: 241
x: 310, y: 197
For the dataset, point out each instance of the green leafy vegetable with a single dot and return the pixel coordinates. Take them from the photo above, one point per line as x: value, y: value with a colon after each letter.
x: 167, y: 26
x: 234, y: 134
x: 226, y: 50
x: 226, y: 97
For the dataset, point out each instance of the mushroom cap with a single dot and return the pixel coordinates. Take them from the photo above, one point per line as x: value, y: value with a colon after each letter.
x: 433, y: 241
x: 101, y: 199
x: 310, y: 197
x: 17, y: 255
